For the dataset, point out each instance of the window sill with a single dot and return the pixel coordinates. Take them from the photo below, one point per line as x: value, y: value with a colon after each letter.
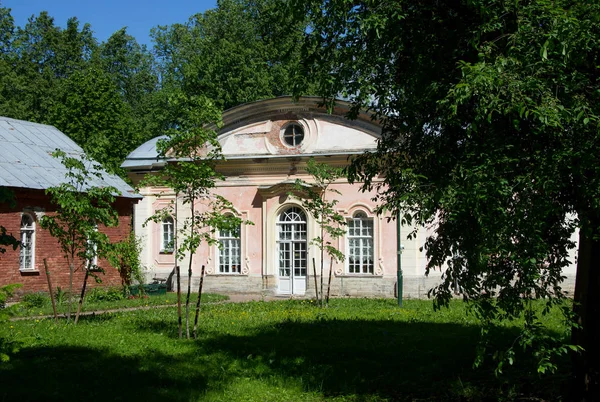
x: 348, y: 275
x: 221, y: 274
x: 165, y: 252
x: 26, y: 272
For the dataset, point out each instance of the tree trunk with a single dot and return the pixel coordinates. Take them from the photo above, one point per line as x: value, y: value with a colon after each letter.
x: 51, y: 290
x: 322, y: 263
x: 179, y: 323
x: 198, y: 303
x: 71, y: 270
x: 586, y: 306
x: 187, y: 301
x: 315, y: 275
x: 85, y: 279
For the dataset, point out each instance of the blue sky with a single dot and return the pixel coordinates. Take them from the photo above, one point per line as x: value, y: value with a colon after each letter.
x: 108, y: 16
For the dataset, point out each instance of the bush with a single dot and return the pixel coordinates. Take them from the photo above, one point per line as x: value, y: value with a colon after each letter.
x: 105, y: 294
x: 6, y: 292
x: 125, y: 256
x: 35, y: 300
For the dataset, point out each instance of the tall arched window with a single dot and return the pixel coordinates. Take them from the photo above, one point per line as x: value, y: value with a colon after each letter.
x: 230, y: 253
x: 292, y: 251
x: 27, y: 256
x: 360, y: 244
x: 167, y: 235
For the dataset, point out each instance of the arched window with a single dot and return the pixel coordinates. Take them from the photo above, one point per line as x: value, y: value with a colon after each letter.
x: 360, y: 244
x: 230, y: 255
x: 27, y: 256
x: 293, y: 134
x: 92, y: 251
x: 167, y: 235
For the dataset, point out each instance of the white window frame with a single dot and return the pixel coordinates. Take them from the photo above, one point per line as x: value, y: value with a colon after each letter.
x: 29, y: 229
x: 94, y: 263
x: 167, y: 232
x: 229, y: 242
x: 363, y: 240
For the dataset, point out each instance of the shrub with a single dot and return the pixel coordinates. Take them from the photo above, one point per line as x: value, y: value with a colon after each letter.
x: 105, y: 294
x: 125, y: 256
x: 35, y: 300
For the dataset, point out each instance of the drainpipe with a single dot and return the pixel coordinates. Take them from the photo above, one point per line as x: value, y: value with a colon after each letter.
x: 399, y: 248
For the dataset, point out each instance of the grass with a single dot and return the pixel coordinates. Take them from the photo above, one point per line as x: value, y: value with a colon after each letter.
x: 40, y: 305
x: 357, y: 350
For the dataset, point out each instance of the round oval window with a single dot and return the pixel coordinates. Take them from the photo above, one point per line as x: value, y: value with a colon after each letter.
x: 293, y: 135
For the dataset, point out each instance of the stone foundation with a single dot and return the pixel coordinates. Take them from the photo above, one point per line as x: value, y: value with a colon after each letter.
x: 414, y: 287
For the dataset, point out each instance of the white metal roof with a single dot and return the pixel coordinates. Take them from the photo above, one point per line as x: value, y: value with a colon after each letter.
x: 26, y: 159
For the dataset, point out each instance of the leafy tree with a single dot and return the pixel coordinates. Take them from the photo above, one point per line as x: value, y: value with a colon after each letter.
x: 239, y: 52
x: 40, y: 56
x: 193, y: 144
x: 490, y: 115
x: 91, y: 112
x: 7, y: 197
x: 133, y: 70
x: 104, y: 97
x: 323, y: 212
x: 80, y: 210
x: 125, y: 256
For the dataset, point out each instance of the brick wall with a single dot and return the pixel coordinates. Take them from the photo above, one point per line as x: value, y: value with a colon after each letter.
x: 37, y: 203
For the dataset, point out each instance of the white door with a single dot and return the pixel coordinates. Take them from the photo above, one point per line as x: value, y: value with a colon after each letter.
x: 292, y: 251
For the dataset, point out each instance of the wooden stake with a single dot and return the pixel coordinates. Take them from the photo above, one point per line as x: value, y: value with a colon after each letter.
x: 329, y: 282
x: 198, y: 303
x: 50, y: 290
x: 315, y: 275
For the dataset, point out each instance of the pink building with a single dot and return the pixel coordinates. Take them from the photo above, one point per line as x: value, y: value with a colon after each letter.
x: 267, y: 145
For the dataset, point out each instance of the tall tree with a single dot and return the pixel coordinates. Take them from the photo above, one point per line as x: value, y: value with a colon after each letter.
x: 239, y: 52
x: 81, y: 209
x: 490, y: 114
x: 90, y: 111
x: 132, y: 68
x: 193, y: 144
x: 314, y: 199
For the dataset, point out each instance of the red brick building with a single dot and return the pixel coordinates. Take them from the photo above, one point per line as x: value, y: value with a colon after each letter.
x: 27, y: 169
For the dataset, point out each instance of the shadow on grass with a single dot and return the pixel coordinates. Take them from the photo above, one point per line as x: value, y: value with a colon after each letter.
x: 390, y: 360
x: 366, y: 360
x: 85, y: 374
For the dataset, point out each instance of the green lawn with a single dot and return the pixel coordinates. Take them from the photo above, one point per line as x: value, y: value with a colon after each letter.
x: 356, y: 350
x: 102, y: 299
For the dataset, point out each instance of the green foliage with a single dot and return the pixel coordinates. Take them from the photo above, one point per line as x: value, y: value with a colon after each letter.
x: 8, y: 345
x: 490, y: 131
x: 102, y: 96
x: 80, y: 210
x: 105, y: 294
x: 90, y: 110
x: 194, y: 150
x: 239, y: 52
x: 192, y: 176
x: 125, y: 256
x: 35, y: 300
x: 6, y: 292
x: 7, y: 197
